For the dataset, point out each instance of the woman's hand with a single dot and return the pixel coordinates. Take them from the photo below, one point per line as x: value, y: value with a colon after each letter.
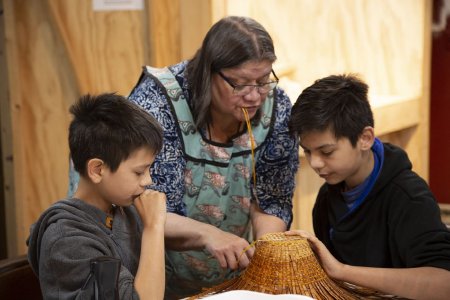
x: 230, y: 250
x: 184, y: 234
x: 331, y: 265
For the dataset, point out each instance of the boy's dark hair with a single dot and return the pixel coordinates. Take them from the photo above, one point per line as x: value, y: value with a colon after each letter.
x: 336, y: 102
x: 110, y: 127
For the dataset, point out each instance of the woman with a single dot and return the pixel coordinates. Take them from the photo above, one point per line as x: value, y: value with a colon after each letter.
x: 228, y: 162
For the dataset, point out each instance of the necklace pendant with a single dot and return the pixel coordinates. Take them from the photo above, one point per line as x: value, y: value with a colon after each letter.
x: 109, y: 221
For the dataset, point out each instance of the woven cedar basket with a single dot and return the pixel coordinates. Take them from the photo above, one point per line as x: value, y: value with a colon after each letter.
x: 285, y: 264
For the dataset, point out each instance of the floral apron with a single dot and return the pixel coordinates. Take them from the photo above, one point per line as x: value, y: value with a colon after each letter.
x: 218, y: 191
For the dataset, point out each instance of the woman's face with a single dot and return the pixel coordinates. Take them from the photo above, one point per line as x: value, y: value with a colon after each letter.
x: 228, y: 105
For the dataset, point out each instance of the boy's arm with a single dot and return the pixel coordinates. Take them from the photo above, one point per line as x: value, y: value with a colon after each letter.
x: 413, y: 283
x: 150, y: 277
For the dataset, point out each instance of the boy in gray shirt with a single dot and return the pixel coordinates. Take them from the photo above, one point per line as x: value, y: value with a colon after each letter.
x: 112, y: 143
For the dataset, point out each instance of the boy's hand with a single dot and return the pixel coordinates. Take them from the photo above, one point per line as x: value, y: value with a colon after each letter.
x: 331, y: 265
x: 151, y: 206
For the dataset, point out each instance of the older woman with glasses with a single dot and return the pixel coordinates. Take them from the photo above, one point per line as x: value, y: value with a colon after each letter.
x: 228, y: 162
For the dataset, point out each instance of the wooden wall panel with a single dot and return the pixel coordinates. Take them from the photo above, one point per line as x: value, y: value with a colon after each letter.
x: 40, y: 91
x: 196, y: 19
x: 6, y: 151
x: 163, y: 32
x: 105, y: 49
x: 56, y: 51
x: 380, y: 39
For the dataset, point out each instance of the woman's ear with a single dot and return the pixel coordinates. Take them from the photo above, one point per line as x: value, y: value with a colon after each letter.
x: 95, y: 169
x: 367, y: 138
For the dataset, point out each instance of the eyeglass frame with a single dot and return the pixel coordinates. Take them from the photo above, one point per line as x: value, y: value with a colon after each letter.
x: 255, y: 86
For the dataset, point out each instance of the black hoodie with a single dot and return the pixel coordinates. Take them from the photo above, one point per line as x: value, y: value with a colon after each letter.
x: 397, y: 226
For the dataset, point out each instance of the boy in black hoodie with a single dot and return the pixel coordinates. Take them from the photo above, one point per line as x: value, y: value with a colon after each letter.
x: 376, y: 221
x: 112, y: 144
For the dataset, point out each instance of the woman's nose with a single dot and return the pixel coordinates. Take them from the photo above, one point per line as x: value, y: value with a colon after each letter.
x: 254, y: 95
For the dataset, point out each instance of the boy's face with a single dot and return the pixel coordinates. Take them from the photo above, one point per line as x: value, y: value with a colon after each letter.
x: 336, y: 160
x: 129, y: 180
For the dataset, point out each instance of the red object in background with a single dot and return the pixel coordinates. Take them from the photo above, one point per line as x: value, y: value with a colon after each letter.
x: 440, y: 111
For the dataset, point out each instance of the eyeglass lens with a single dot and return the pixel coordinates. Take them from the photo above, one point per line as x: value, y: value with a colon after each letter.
x: 246, y: 89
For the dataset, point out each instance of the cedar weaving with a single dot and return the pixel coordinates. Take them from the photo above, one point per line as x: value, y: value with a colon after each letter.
x: 285, y: 264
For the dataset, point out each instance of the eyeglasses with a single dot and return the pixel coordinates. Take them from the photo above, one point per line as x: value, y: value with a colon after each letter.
x: 244, y: 89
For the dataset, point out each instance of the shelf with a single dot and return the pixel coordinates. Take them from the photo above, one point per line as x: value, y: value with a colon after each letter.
x: 394, y: 113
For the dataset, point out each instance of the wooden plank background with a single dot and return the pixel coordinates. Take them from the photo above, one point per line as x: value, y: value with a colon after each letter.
x: 386, y: 42
x: 57, y: 50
